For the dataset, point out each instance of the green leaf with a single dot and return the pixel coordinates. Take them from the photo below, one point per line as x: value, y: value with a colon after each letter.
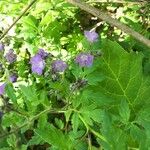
x: 35, y: 140
x: 124, y: 111
x: 116, y: 139
x: 11, y: 93
x: 29, y: 93
x: 91, y: 113
x: 5, y: 148
x: 54, y: 137
x: 30, y: 22
x: 75, y: 122
x: 138, y: 134
x: 59, y: 123
x: 16, y: 120
x: 11, y: 140
x: 94, y: 78
x: 49, y: 17
x: 124, y: 77
x: 42, y: 121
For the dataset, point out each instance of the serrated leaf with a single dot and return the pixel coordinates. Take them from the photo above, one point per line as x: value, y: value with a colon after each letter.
x: 42, y: 121
x: 15, y: 119
x: 54, y: 137
x: 124, y: 111
x: 29, y: 93
x: 124, y: 77
x: 35, y: 140
x: 116, y: 139
x: 75, y: 122
x: 59, y: 123
x: 91, y: 113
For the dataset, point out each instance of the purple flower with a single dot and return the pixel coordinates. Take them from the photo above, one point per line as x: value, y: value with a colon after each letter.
x: 59, y: 66
x: 10, y: 56
x: 38, y: 64
x: 42, y: 53
x: 13, y: 78
x: 2, y: 88
x: 1, y: 47
x: 84, y: 59
x: 91, y: 36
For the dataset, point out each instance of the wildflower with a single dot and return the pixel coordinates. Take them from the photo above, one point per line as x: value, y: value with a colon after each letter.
x: 2, y: 88
x: 91, y: 36
x: 38, y: 64
x: 13, y: 78
x: 1, y: 47
x: 42, y: 53
x: 10, y: 56
x: 59, y: 66
x: 84, y: 59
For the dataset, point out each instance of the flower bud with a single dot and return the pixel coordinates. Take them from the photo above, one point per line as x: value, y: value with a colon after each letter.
x: 13, y: 78
x: 59, y: 66
x: 10, y: 56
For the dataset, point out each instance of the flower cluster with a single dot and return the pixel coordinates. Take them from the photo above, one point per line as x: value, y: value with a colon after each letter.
x: 37, y: 64
x: 38, y: 61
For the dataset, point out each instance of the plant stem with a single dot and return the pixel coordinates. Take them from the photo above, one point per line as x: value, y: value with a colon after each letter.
x: 89, y: 142
x: 116, y: 1
x: 30, y: 121
x: 92, y: 131
x: 17, y: 19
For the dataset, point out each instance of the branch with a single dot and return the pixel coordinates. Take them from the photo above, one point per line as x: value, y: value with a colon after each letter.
x: 114, y: 22
x: 116, y: 1
x: 30, y: 121
x: 17, y: 19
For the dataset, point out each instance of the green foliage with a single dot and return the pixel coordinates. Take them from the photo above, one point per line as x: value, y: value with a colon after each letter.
x: 54, y: 137
x: 104, y: 106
